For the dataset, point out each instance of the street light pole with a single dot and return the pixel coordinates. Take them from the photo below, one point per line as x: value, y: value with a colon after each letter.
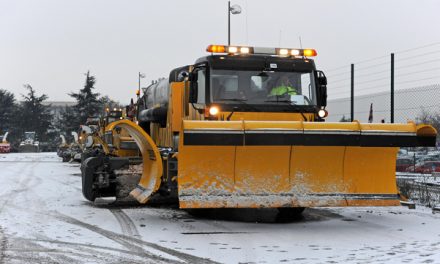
x: 235, y: 9
x: 139, y: 81
x: 140, y: 75
x: 229, y: 23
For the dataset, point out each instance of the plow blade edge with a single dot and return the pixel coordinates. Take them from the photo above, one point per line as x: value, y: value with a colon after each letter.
x: 152, y: 161
x: 292, y: 164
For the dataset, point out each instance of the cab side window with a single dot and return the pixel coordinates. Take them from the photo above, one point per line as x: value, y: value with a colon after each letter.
x: 201, y: 86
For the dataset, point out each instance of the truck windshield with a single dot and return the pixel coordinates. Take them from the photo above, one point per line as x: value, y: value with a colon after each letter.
x: 268, y: 88
x: 29, y: 135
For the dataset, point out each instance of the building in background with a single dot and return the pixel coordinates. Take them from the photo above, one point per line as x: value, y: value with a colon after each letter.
x: 57, y: 107
x: 408, y: 105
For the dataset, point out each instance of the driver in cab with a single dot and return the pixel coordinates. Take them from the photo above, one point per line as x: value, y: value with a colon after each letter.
x: 283, y: 87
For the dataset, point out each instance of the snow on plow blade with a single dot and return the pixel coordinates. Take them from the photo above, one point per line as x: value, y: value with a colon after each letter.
x: 292, y: 164
x: 152, y: 162
x: 28, y: 148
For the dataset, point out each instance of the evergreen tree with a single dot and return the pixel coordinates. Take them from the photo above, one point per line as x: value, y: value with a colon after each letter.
x: 67, y: 122
x: 106, y: 101
x: 87, y: 103
x: 8, y: 109
x: 32, y: 115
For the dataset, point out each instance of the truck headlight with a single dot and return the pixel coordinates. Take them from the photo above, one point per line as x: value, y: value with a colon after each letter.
x: 322, y: 113
x: 214, y: 110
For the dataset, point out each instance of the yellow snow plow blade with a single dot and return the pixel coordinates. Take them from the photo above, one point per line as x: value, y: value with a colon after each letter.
x: 152, y: 162
x: 292, y: 163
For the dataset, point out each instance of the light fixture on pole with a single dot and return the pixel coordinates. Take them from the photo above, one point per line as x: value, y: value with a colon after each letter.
x: 141, y: 75
x: 235, y: 10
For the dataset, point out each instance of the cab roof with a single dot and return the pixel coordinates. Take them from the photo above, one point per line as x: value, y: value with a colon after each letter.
x: 257, y: 62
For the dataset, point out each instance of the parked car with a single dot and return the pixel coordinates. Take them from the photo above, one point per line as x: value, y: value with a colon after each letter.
x: 402, y: 152
x: 425, y: 167
x: 403, y: 163
x: 431, y: 157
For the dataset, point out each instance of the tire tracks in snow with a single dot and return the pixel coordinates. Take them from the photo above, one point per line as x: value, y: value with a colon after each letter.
x: 27, y: 251
x: 134, y: 243
x: 3, y: 245
x: 68, y: 252
x: 99, y: 252
x: 23, y: 185
x: 127, y: 226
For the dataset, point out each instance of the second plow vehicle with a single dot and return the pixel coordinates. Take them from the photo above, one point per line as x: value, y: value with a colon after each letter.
x: 244, y: 127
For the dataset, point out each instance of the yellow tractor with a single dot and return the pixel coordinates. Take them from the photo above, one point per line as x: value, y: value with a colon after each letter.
x: 244, y: 127
x: 102, y: 141
x: 97, y: 134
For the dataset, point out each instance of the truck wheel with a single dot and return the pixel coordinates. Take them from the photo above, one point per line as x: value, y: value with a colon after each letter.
x: 66, y: 158
x: 88, y: 177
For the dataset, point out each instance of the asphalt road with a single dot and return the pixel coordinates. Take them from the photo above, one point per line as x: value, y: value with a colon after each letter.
x: 45, y: 219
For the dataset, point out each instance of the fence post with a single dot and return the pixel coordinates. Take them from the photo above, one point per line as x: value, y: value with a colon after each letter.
x: 392, y: 87
x: 352, y: 94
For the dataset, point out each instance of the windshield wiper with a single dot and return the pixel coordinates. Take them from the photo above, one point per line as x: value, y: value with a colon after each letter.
x: 281, y: 101
x: 293, y: 105
x: 232, y: 99
x: 242, y: 101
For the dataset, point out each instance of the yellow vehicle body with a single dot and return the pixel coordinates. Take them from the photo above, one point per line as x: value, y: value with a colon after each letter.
x: 121, y: 141
x: 113, y: 140
x: 215, y: 135
x: 259, y: 160
x: 249, y: 171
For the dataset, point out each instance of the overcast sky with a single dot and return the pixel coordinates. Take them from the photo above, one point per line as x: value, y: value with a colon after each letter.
x: 51, y: 44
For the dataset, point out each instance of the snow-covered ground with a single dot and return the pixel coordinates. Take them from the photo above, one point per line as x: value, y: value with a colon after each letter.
x: 45, y: 219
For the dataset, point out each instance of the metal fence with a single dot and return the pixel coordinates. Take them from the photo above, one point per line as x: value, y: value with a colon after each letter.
x: 414, y: 75
x: 412, y: 78
x: 423, y: 189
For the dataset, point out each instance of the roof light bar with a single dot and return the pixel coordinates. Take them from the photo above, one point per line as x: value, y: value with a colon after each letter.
x: 216, y: 48
x: 282, y: 52
x: 294, y: 52
x: 229, y: 49
x: 244, y: 50
x: 309, y: 52
x: 232, y: 49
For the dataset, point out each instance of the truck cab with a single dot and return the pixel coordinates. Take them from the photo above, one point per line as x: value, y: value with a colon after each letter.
x: 261, y: 80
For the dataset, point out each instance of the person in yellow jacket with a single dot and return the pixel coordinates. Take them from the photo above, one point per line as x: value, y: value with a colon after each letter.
x: 284, y: 87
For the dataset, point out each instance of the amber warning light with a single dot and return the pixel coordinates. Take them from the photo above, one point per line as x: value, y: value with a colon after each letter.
x: 244, y: 50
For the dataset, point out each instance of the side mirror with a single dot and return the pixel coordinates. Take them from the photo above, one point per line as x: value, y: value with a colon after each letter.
x: 322, y: 80
x: 321, y: 88
x: 193, y: 87
x: 182, y: 75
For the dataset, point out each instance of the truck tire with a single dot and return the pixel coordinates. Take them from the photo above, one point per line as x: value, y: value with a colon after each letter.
x: 88, y: 177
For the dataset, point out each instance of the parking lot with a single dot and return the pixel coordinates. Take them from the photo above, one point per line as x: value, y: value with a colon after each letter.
x: 45, y: 219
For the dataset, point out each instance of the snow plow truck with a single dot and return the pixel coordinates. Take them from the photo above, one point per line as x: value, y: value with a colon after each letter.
x: 30, y: 143
x: 244, y: 127
x: 5, y: 146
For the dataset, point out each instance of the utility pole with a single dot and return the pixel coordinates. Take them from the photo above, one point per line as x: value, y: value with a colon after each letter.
x: 392, y: 88
x: 352, y: 93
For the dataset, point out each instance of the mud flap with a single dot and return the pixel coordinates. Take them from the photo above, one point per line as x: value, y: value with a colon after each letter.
x: 292, y: 164
x: 152, y: 161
